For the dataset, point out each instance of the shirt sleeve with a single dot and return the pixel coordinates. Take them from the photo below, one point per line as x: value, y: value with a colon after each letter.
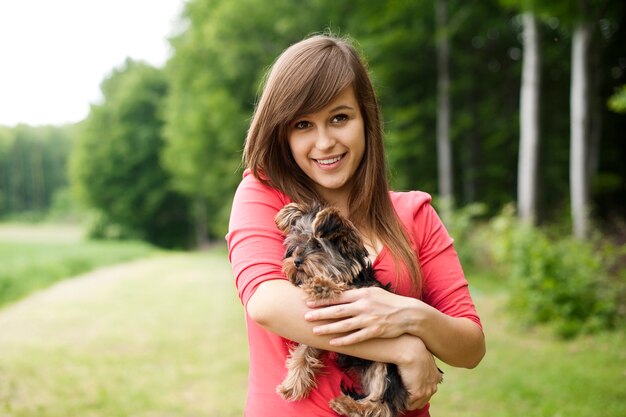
x: 444, y: 283
x: 255, y: 245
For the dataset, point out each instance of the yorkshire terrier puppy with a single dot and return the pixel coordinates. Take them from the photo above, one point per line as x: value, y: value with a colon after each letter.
x: 325, y: 256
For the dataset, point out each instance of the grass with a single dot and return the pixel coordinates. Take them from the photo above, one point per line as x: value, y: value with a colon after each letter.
x: 157, y: 337
x: 530, y: 372
x: 34, y: 257
x: 165, y: 337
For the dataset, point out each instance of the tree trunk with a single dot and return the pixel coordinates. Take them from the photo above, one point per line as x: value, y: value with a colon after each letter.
x: 200, y: 220
x: 444, y: 149
x: 579, y: 97
x: 597, y: 103
x: 529, y: 123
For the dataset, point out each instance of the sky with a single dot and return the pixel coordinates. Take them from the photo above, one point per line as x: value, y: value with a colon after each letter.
x: 55, y: 53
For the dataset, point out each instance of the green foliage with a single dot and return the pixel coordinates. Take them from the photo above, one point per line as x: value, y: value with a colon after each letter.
x: 461, y: 224
x: 617, y: 102
x: 32, y: 168
x: 116, y: 165
x: 559, y: 280
x: 221, y: 56
x: 214, y: 75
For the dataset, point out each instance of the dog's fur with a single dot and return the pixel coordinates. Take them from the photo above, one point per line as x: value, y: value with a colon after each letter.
x: 325, y: 256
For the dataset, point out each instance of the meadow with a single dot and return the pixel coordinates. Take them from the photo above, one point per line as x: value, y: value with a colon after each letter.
x: 34, y: 257
x: 164, y: 336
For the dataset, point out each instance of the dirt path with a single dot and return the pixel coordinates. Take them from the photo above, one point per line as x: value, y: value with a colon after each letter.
x: 70, y: 299
x: 139, y: 338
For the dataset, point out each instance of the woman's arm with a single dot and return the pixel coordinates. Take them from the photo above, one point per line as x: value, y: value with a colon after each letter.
x: 365, y: 313
x: 446, y: 319
x: 280, y: 307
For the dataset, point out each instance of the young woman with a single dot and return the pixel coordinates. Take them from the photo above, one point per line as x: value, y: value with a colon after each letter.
x: 316, y: 135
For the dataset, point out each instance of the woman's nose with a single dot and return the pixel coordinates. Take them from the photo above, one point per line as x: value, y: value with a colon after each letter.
x: 325, y: 140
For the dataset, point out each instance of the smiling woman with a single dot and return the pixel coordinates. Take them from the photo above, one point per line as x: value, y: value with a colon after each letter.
x: 316, y: 138
x: 54, y: 59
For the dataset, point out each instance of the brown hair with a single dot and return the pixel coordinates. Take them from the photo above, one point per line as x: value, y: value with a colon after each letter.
x: 305, y: 78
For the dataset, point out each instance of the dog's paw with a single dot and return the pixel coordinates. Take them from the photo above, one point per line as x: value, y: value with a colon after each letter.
x: 348, y: 406
x: 321, y: 288
x: 293, y: 392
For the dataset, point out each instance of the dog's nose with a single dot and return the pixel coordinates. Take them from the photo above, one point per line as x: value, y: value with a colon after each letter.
x: 297, y: 262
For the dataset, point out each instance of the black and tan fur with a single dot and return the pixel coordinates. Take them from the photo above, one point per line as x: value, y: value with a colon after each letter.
x: 325, y: 256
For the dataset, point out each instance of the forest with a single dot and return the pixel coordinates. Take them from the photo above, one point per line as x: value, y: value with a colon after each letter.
x: 504, y: 110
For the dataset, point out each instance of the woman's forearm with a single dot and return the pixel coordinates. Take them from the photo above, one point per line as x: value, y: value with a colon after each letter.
x: 373, y: 313
x: 457, y: 341
x: 279, y: 307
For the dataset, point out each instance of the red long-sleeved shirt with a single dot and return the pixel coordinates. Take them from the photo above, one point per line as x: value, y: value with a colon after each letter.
x: 256, y: 251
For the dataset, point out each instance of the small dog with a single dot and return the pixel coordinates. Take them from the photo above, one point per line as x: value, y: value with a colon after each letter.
x: 325, y: 256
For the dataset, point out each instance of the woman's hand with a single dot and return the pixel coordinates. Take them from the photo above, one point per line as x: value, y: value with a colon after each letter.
x: 363, y: 314
x: 419, y: 373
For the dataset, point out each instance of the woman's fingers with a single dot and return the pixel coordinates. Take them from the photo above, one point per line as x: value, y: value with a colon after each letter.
x: 358, y: 315
x: 420, y: 374
x: 348, y: 296
x: 337, y: 327
x: 419, y: 400
x: 338, y: 311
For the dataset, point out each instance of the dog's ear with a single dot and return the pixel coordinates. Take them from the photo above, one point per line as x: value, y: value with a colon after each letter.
x: 330, y: 224
x: 289, y: 215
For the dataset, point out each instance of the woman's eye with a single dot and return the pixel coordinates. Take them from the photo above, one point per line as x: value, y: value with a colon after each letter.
x: 303, y: 124
x: 340, y: 118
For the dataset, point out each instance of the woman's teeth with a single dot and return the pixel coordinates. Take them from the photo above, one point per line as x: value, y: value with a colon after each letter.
x: 329, y: 161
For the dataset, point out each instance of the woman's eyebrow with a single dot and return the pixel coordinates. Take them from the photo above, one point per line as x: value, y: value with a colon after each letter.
x: 341, y: 107
x: 334, y: 109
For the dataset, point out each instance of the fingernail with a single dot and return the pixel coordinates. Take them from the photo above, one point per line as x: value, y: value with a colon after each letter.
x: 308, y: 316
x: 316, y: 330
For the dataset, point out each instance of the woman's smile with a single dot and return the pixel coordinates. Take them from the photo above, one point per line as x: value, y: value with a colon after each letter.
x: 330, y: 163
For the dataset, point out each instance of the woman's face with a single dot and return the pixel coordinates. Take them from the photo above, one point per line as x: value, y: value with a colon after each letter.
x: 328, y: 145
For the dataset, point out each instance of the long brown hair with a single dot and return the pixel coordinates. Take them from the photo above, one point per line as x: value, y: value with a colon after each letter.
x: 305, y: 78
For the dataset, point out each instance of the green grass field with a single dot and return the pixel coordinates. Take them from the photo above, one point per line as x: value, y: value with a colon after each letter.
x: 165, y: 337
x: 158, y: 337
x: 34, y: 257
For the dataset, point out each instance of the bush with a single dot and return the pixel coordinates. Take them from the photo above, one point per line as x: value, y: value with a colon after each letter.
x: 461, y: 224
x: 560, y: 280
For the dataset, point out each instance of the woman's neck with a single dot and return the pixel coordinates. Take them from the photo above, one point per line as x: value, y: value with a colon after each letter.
x: 339, y: 200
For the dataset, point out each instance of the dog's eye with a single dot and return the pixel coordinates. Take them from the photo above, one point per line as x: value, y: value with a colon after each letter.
x: 288, y: 253
x: 316, y: 244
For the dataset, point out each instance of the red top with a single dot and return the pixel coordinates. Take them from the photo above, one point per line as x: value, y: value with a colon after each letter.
x: 256, y: 251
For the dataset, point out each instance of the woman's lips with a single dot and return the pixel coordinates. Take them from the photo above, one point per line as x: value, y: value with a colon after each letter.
x: 330, y: 162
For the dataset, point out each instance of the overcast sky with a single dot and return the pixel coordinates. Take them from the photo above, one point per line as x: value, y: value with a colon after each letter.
x: 55, y: 53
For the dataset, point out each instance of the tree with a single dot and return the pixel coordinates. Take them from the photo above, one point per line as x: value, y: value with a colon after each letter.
x: 215, y: 73
x: 444, y: 147
x: 32, y: 167
x: 529, y: 122
x: 579, y: 98
x: 116, y: 167
x: 585, y: 110
x: 226, y: 47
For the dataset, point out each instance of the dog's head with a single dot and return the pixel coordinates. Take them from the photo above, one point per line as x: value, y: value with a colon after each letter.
x: 320, y: 242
